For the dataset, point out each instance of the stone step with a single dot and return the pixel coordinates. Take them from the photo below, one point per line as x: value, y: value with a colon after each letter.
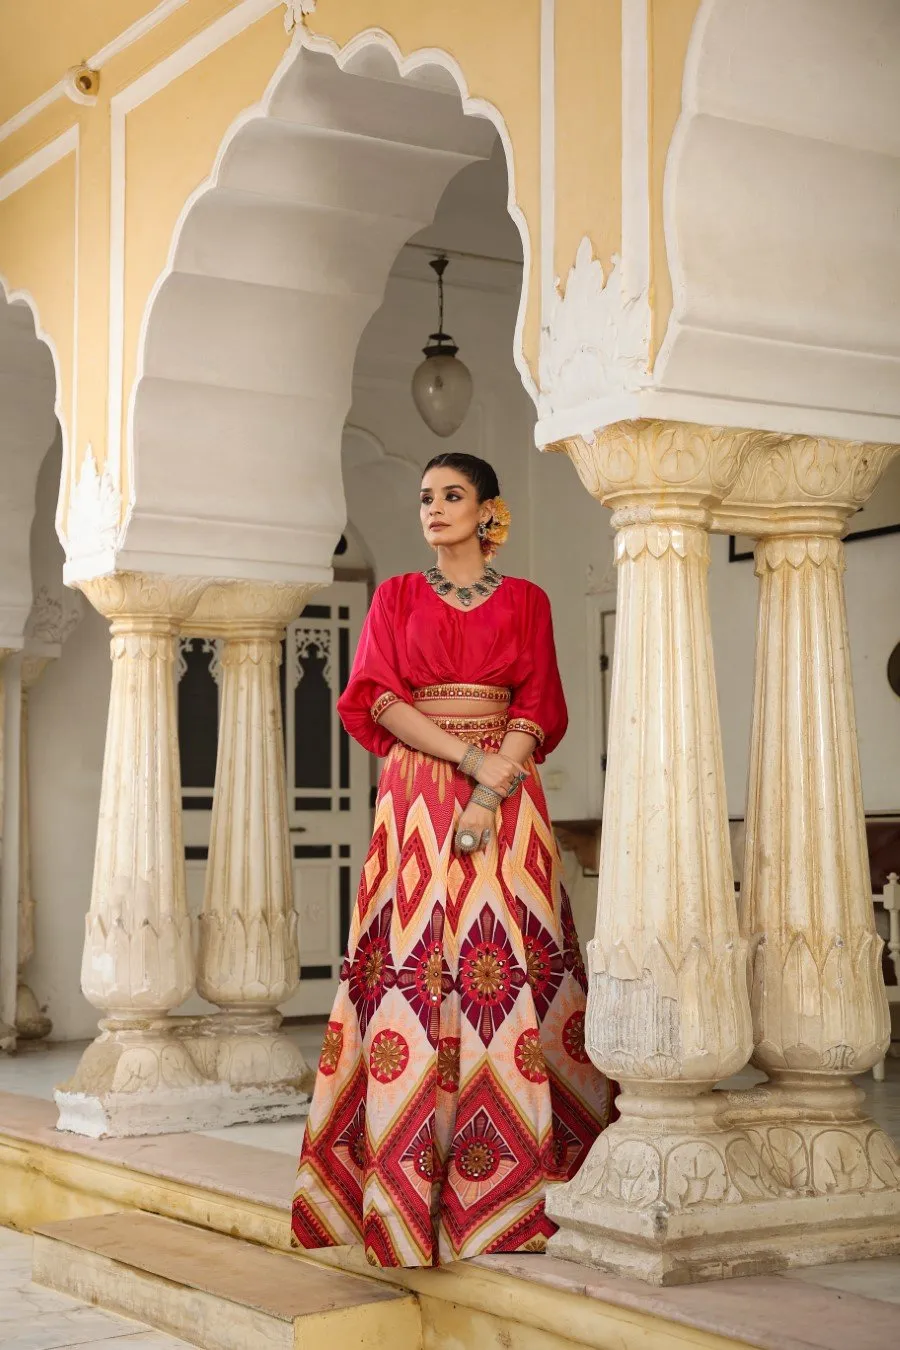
x: 219, y: 1292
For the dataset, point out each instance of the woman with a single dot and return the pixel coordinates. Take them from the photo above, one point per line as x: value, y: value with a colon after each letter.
x: 454, y: 1083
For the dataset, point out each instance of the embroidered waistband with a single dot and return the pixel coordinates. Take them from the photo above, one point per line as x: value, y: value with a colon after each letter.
x: 491, y: 693
x: 471, y: 727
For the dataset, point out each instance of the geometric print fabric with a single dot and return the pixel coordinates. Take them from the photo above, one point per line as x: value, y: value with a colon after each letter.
x: 454, y: 1084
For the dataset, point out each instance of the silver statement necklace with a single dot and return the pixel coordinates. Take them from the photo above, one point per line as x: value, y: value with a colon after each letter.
x: 484, y: 586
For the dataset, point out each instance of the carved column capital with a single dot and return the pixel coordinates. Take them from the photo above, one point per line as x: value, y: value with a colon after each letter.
x: 249, y: 609
x: 802, y: 484
x: 655, y: 466
x: 143, y: 601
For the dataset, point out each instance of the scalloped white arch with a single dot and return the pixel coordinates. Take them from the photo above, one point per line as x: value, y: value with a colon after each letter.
x: 151, y: 536
x: 32, y: 411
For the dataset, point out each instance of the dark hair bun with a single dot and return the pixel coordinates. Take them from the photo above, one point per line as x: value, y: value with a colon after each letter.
x: 479, y: 473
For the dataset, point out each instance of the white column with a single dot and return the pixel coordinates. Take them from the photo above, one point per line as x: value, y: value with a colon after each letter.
x: 249, y: 955
x: 668, y: 1010
x: 138, y: 959
x: 9, y: 733
x: 689, y: 1184
x: 31, y: 1022
x: 820, y: 1011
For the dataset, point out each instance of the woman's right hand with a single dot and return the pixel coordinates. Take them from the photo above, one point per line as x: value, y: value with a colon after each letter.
x: 498, y: 772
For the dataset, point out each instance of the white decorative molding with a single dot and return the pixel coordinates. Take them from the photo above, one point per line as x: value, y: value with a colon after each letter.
x: 54, y: 617
x: 596, y: 340
x: 92, y: 523
x: 304, y: 640
x: 294, y: 12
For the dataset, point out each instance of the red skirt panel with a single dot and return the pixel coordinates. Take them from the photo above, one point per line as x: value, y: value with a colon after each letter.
x: 453, y: 1084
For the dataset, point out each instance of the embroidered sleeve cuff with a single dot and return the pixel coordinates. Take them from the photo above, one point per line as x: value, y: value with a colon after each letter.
x: 529, y: 728
x: 381, y: 705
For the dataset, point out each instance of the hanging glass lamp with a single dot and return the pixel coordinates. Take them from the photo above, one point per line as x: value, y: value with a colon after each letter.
x: 442, y: 384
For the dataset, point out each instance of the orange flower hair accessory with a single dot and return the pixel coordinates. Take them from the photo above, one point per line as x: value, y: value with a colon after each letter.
x: 497, y: 530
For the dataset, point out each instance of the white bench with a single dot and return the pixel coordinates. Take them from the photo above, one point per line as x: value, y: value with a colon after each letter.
x: 890, y: 901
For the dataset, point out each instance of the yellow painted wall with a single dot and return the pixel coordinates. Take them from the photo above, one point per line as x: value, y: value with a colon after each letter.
x: 52, y: 36
x: 670, y: 27
x: 37, y: 254
x: 588, y: 130
x: 172, y: 140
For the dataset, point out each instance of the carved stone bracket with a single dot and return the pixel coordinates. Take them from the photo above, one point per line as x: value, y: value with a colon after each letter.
x: 596, y: 339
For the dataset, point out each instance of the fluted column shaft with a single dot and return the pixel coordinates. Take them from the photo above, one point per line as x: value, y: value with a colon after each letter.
x: 249, y: 959
x: 31, y: 1022
x: 7, y: 928
x: 138, y: 954
x: 667, y: 1001
x: 248, y: 929
x: 818, y: 999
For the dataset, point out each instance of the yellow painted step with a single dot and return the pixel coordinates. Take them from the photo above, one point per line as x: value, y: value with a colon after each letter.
x: 219, y: 1292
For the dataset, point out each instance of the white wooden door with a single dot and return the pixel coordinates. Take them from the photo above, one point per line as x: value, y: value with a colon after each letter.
x: 328, y: 779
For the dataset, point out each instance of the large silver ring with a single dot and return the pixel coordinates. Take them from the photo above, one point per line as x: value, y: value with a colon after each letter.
x: 466, y: 841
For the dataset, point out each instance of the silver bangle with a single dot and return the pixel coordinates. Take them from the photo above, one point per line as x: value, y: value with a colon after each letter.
x: 472, y: 761
x: 485, y: 796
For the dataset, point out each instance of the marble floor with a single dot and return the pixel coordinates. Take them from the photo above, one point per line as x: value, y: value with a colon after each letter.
x: 34, y: 1318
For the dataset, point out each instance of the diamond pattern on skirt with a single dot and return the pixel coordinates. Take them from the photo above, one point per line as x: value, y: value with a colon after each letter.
x: 454, y: 1083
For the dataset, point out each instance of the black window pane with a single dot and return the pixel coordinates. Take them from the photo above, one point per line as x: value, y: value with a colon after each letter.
x: 282, y: 689
x: 312, y: 803
x: 198, y: 716
x: 312, y: 720
x: 344, y: 612
x: 344, y: 907
x: 315, y: 972
x: 343, y: 676
x: 316, y: 612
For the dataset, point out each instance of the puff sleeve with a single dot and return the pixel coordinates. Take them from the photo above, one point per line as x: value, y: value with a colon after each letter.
x: 375, y: 680
x: 538, y: 704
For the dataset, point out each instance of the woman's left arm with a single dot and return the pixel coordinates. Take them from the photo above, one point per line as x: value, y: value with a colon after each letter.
x: 518, y: 746
x: 537, y: 712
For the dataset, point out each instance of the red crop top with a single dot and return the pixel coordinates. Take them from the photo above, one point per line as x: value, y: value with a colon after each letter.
x: 412, y: 638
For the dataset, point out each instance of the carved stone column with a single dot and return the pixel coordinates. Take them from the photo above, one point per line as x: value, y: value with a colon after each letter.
x: 7, y: 1030
x: 32, y: 1023
x: 137, y: 1077
x: 249, y: 955
x: 820, y: 1012
x: 668, y: 1011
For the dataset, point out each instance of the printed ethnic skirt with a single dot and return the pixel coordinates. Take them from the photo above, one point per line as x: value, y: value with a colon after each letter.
x: 453, y: 1084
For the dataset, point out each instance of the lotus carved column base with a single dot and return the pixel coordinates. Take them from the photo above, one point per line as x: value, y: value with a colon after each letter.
x: 248, y: 1051
x: 680, y: 1190
x: 32, y: 1023
x: 164, y: 1075
x: 7, y: 1038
